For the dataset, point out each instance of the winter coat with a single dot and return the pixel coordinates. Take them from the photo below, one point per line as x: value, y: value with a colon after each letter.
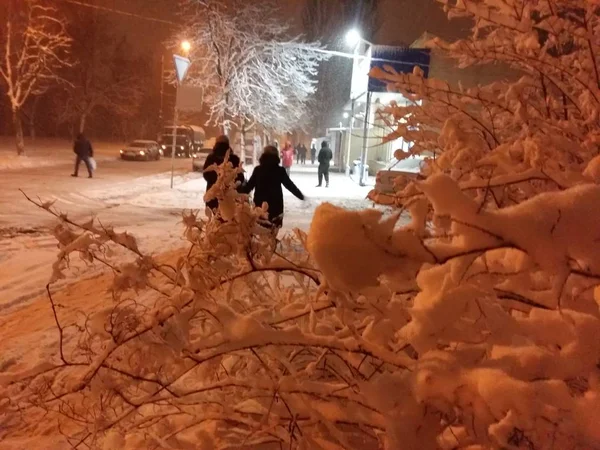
x: 266, y: 181
x: 218, y: 157
x: 287, y: 155
x: 83, y: 148
x: 325, y: 157
x: 313, y: 152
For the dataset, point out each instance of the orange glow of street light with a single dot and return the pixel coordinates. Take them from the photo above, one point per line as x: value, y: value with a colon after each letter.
x: 186, y: 46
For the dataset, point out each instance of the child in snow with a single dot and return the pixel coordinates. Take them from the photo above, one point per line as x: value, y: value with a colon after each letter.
x: 287, y: 156
x: 266, y: 180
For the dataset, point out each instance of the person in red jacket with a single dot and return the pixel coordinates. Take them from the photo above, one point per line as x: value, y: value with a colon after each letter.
x: 287, y: 157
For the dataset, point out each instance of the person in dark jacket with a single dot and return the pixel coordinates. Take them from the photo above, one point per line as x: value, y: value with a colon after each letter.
x: 325, y: 157
x: 218, y: 157
x: 266, y: 181
x: 84, y: 151
x: 303, y: 151
x: 313, y: 154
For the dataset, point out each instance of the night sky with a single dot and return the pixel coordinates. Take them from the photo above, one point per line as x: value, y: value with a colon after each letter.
x: 403, y: 20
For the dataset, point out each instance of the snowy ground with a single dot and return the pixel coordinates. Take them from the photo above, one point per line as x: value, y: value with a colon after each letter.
x: 48, y: 153
x: 130, y: 195
x: 135, y: 196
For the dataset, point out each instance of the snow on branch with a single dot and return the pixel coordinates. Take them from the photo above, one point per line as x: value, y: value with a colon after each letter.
x: 539, y: 115
x: 34, y: 46
x: 249, y: 65
x: 474, y: 328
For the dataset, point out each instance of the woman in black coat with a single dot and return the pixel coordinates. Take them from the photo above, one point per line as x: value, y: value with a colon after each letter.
x: 217, y: 157
x: 267, y: 180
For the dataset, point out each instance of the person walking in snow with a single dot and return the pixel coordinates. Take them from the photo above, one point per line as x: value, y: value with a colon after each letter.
x: 313, y: 154
x: 287, y: 157
x: 325, y: 157
x: 303, y: 151
x: 84, y: 151
x: 266, y: 181
x: 217, y: 157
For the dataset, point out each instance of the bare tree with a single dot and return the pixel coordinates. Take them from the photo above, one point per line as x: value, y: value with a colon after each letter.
x: 252, y: 71
x: 34, y: 46
x: 104, y: 79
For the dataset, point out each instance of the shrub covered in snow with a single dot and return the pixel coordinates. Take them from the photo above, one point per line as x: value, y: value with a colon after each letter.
x: 509, y: 140
x: 362, y: 334
x: 474, y: 326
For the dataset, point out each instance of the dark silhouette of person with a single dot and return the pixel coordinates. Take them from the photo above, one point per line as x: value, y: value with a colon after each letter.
x: 266, y: 181
x: 325, y: 157
x: 84, y: 151
x: 313, y: 154
x: 302, y: 151
x: 217, y: 157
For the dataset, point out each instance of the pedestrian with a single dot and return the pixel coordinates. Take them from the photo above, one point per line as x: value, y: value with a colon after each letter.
x: 287, y: 157
x: 302, y: 151
x: 297, y: 150
x: 84, y: 151
x: 325, y: 157
x: 217, y: 156
x: 313, y: 154
x: 266, y: 181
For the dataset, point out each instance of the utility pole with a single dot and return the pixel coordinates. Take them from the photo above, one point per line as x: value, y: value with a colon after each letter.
x: 365, y: 149
x: 162, y: 90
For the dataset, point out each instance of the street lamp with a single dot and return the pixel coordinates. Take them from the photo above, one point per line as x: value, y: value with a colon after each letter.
x: 353, y: 37
x: 186, y: 46
x: 346, y: 115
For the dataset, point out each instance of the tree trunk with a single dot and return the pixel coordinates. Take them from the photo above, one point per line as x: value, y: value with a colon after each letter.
x: 32, y: 117
x: 82, y: 121
x: 19, y: 140
x: 243, y: 141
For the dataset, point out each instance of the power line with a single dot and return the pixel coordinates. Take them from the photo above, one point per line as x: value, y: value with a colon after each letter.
x: 117, y: 11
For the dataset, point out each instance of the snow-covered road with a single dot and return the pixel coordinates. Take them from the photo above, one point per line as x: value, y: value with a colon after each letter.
x: 131, y: 195
x: 128, y: 195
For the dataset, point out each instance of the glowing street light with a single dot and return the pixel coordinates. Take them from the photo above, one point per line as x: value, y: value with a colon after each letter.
x: 353, y: 37
x: 346, y: 115
x: 186, y: 46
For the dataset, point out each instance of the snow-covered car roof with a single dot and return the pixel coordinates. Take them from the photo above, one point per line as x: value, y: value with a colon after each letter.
x: 411, y: 164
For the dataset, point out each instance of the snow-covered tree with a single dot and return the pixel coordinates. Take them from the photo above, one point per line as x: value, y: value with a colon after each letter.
x: 472, y: 325
x: 510, y: 139
x: 34, y: 46
x: 367, y: 333
x: 250, y: 67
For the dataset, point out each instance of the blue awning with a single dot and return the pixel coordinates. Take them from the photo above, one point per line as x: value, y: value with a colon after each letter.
x: 401, y: 59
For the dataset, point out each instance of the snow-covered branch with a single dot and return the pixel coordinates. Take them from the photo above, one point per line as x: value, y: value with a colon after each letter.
x: 249, y: 66
x: 482, y: 332
x: 34, y: 46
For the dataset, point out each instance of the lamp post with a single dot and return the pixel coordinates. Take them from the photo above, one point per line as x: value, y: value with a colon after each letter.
x: 354, y: 39
x: 181, y: 67
x: 349, y: 149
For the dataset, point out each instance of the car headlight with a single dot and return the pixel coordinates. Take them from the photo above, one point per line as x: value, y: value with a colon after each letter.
x: 181, y: 147
x: 142, y: 153
x: 164, y: 147
x: 121, y: 152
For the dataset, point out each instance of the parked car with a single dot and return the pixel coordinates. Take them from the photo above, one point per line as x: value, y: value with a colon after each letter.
x: 142, y: 150
x: 199, y: 158
x: 188, y: 139
x: 398, y: 174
